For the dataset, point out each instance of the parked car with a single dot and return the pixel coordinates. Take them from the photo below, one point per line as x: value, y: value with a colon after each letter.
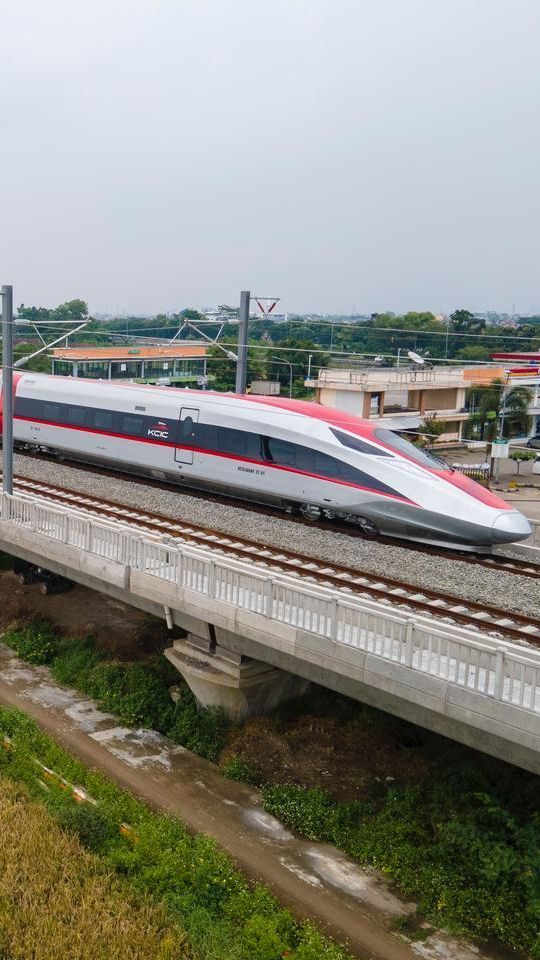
x: 534, y: 442
x: 48, y: 582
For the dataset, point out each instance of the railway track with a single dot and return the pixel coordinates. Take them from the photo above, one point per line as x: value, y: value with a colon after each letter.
x: 445, y: 607
x: 492, y: 561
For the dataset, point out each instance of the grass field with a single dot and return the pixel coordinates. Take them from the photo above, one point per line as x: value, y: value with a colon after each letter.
x: 56, y: 900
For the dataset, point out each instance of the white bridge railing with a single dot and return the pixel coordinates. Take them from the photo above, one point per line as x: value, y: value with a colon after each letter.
x: 469, y: 659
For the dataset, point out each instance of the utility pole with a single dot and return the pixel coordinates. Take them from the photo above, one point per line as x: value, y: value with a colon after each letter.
x: 243, y: 320
x: 7, y: 388
x: 499, y: 444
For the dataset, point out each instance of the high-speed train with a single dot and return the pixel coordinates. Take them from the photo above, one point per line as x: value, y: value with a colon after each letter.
x: 288, y: 453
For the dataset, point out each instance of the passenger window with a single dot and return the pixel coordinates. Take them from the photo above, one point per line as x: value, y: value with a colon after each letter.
x: 232, y: 441
x: 207, y: 436
x: 51, y: 411
x: 280, y: 452
x: 326, y: 466
x: 103, y: 420
x: 76, y: 416
x: 133, y: 426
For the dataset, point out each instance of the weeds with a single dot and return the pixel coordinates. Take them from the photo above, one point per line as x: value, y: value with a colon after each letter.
x: 37, y: 643
x: 469, y: 860
x: 137, y: 692
x: 237, y: 768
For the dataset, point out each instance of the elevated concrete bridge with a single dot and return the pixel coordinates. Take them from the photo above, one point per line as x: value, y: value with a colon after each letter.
x: 253, y: 637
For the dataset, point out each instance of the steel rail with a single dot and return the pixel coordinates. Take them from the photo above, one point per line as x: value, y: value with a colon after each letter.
x: 401, y: 593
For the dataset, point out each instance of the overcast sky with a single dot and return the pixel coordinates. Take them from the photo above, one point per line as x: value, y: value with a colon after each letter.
x: 339, y: 154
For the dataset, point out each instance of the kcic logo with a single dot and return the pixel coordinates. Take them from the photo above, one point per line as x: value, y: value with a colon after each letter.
x: 159, y: 430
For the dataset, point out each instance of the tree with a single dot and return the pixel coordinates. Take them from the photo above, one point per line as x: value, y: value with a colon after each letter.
x: 296, y: 352
x: 223, y: 369
x: 34, y: 314
x: 432, y: 427
x: 40, y: 364
x: 74, y: 311
x: 463, y: 321
x: 472, y: 353
x: 485, y: 404
x: 520, y: 456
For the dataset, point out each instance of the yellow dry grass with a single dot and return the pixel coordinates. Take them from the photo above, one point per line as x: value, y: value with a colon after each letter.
x: 56, y: 900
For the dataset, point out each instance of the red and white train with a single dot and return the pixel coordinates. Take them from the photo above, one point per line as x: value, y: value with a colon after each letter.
x: 288, y: 453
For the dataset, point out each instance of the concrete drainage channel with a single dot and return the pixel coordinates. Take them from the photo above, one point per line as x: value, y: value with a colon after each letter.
x: 315, y: 880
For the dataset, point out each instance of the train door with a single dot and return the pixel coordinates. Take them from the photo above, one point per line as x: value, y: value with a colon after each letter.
x: 189, y: 417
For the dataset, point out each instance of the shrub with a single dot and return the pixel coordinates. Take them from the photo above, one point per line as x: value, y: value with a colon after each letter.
x: 37, y: 643
x: 89, y: 825
x: 468, y: 858
x: 202, y: 731
x: 75, y: 662
x: 267, y: 938
x: 137, y: 692
x: 238, y: 768
x: 133, y: 691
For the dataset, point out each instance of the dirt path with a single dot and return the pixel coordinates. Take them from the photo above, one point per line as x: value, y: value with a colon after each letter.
x: 316, y: 881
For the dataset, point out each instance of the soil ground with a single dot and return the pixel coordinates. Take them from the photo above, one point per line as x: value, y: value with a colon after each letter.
x: 346, y: 755
x: 115, y: 627
x: 325, y: 740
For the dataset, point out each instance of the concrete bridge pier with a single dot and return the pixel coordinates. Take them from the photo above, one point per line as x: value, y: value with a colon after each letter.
x: 239, y: 685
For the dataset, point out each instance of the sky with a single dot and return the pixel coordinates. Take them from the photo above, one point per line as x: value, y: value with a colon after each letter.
x: 343, y: 155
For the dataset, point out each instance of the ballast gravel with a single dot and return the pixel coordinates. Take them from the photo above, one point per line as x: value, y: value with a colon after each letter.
x: 465, y: 581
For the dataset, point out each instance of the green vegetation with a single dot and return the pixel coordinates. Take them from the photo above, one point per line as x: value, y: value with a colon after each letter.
x: 463, y: 839
x: 137, y: 692
x: 467, y: 849
x: 486, y: 405
x: 238, y: 768
x: 36, y: 643
x: 521, y: 456
x: 188, y: 876
x: 292, y: 341
x: 71, y: 905
x: 432, y: 427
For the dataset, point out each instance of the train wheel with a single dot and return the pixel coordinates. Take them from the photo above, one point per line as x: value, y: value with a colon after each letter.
x: 310, y: 512
x: 367, y: 526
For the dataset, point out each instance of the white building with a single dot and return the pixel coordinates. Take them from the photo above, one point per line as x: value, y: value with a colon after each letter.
x: 403, y: 396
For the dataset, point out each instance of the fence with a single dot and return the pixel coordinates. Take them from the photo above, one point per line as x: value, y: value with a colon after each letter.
x: 479, y: 473
x: 469, y: 659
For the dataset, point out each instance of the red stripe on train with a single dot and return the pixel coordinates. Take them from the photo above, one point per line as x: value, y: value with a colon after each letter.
x: 224, y: 456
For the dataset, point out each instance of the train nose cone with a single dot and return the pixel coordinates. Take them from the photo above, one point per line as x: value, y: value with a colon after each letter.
x: 510, y: 526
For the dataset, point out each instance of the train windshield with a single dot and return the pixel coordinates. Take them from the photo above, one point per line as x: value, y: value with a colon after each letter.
x: 356, y: 443
x: 400, y: 445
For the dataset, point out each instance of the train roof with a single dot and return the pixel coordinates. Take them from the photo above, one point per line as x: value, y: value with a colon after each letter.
x: 301, y: 408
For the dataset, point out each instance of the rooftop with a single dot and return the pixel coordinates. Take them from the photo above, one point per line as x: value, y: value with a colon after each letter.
x: 178, y: 351
x: 373, y: 378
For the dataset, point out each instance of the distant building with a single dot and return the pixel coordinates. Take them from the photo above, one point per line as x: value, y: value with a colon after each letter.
x: 403, y: 397
x: 179, y: 363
